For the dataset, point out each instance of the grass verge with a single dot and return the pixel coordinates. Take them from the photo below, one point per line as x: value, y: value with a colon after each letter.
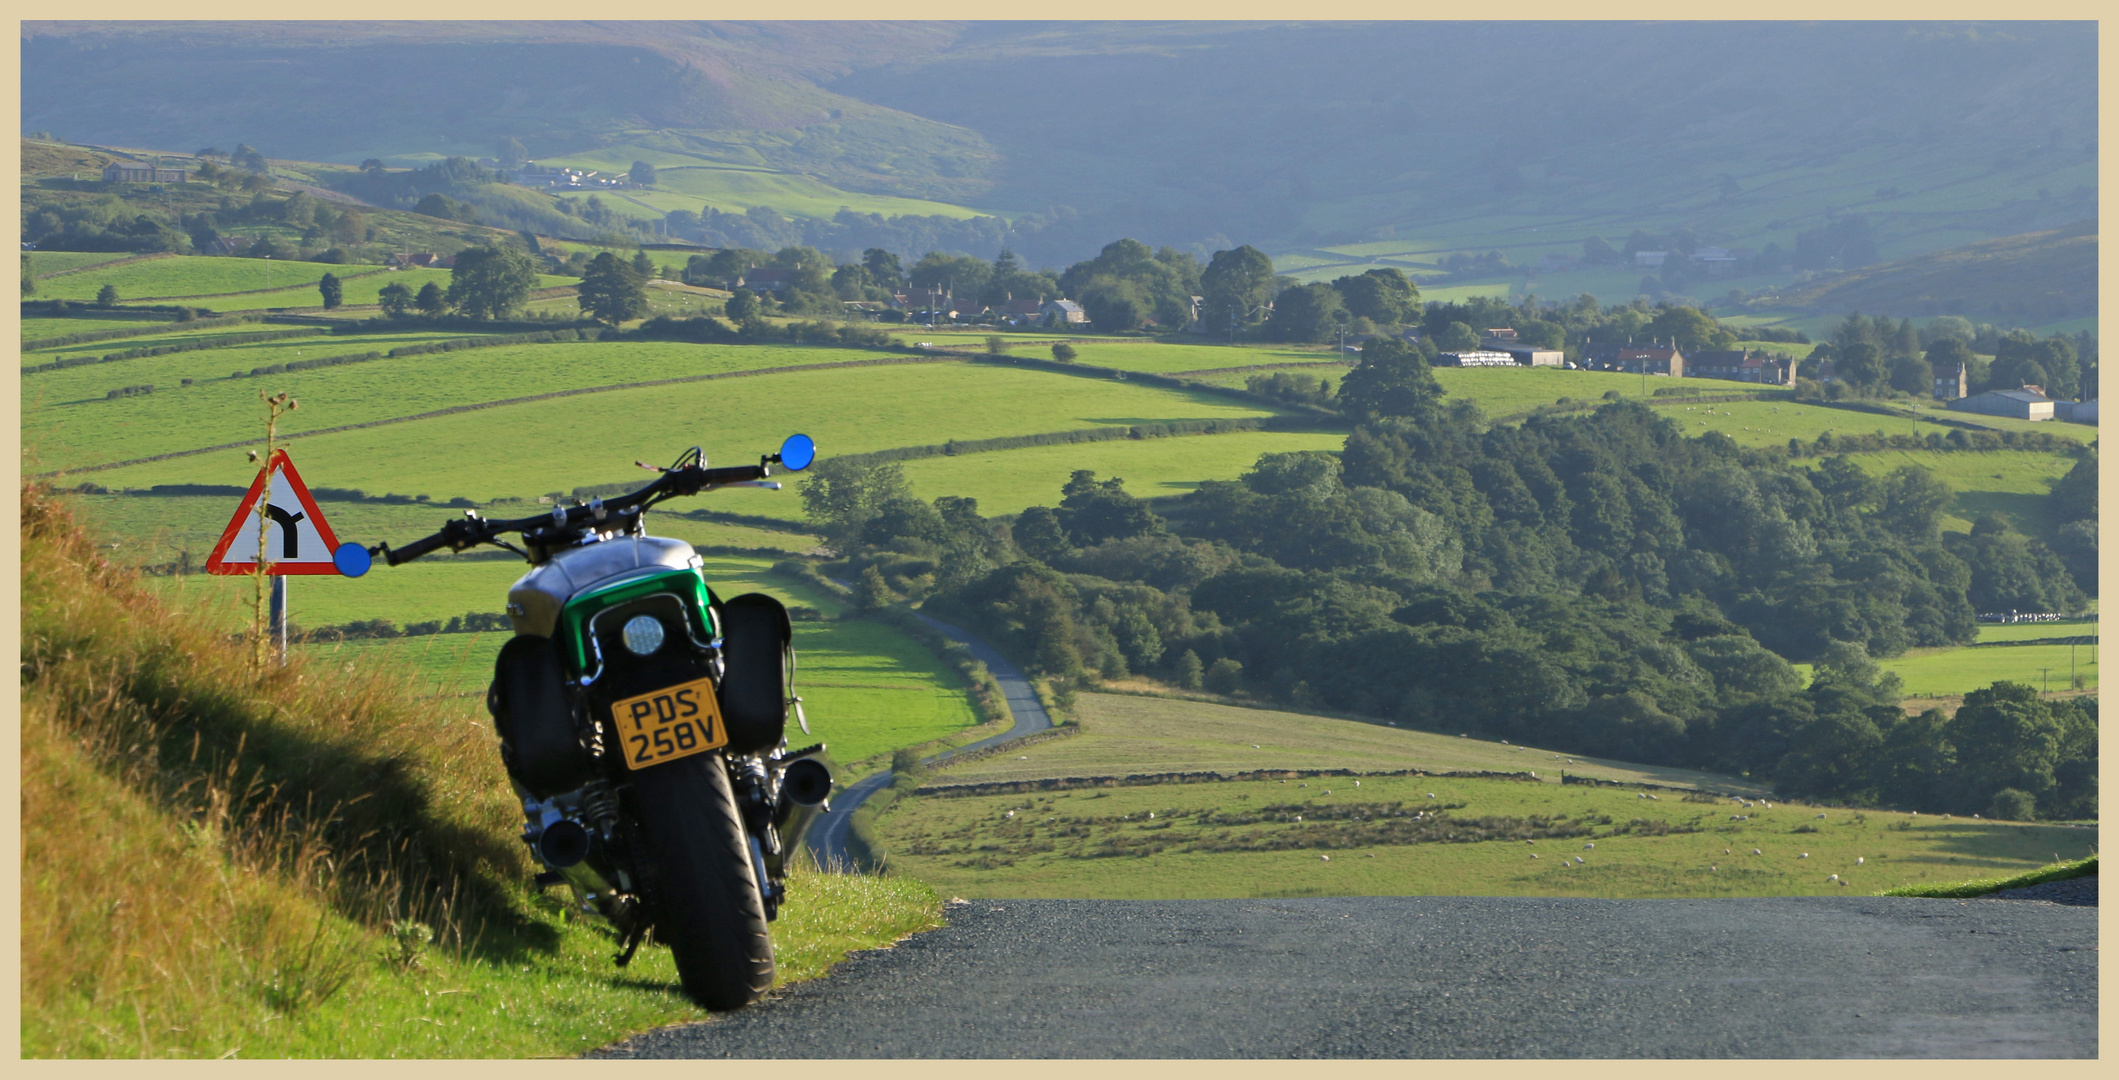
x: 1983, y: 886
x: 305, y: 862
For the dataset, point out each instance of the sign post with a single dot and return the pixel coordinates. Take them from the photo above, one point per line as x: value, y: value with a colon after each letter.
x: 297, y: 539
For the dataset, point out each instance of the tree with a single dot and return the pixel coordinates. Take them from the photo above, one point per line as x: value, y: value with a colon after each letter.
x: 1235, y: 288
x: 431, y: 301
x: 642, y: 173
x: 1457, y: 337
x: 1093, y: 511
x: 1947, y: 355
x: 1391, y: 380
x: 643, y: 266
x: 1114, y: 305
x: 1306, y: 313
x: 1597, y: 251
x: 612, y: 292
x: 1063, y: 352
x: 1861, y: 366
x: 333, y: 292
x: 395, y: 299
x: 29, y: 284
x: 1384, y: 296
x: 511, y: 152
x: 372, y: 165
x: 742, y: 304
x: 438, y: 205
x: 490, y: 282
x: 882, y: 267
x: 1913, y: 502
x: 107, y: 295
x: 1910, y: 374
x: 842, y: 496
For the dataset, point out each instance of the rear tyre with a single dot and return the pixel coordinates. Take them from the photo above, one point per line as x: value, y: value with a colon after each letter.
x: 706, y: 902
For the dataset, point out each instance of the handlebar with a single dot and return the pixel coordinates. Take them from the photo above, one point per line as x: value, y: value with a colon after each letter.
x: 471, y: 531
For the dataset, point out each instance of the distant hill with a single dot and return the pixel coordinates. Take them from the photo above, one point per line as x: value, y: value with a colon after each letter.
x: 2031, y: 277
x: 1435, y: 137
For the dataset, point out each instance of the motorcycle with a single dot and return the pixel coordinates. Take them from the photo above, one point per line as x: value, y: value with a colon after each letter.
x: 642, y: 722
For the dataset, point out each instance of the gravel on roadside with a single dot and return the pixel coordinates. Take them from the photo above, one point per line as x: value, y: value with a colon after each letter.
x: 2081, y: 892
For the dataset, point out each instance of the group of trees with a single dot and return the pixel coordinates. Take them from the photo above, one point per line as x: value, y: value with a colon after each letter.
x: 1594, y: 582
x: 1875, y: 356
x: 485, y: 283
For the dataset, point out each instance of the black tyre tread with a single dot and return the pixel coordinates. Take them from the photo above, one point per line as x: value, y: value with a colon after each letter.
x: 706, y: 898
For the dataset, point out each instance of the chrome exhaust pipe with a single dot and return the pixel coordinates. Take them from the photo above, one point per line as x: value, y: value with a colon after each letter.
x: 806, y: 782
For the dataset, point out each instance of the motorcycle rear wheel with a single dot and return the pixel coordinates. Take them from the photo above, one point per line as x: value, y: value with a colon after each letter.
x: 706, y: 902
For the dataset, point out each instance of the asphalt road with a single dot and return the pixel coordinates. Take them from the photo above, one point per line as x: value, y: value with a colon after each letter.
x: 1445, y: 977
x: 826, y: 837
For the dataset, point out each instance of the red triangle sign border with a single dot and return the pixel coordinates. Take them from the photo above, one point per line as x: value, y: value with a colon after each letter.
x: 246, y: 515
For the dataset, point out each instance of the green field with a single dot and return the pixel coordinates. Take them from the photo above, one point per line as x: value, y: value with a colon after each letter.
x: 1123, y: 734
x: 2012, y: 483
x: 2027, y: 653
x: 53, y: 262
x: 1006, y: 481
x: 229, y: 282
x: 49, y: 326
x: 683, y: 181
x: 193, y: 275
x: 1264, y: 838
x: 848, y: 411
x: 1954, y: 672
x: 219, y: 409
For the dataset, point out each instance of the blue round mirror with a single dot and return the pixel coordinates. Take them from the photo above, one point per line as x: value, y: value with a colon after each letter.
x: 797, y: 452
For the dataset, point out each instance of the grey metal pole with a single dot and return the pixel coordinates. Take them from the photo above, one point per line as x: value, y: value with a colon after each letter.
x: 278, y: 616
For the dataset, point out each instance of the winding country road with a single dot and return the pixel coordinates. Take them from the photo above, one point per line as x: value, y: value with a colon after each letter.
x: 1465, y: 977
x: 826, y: 838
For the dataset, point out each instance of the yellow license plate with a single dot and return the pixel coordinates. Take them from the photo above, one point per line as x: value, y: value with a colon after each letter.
x: 673, y: 722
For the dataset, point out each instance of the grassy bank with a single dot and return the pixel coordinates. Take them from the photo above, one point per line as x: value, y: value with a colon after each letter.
x: 307, y: 862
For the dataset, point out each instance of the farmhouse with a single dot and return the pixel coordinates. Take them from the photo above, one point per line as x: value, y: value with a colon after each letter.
x: 1063, y: 312
x: 2021, y: 404
x: 1741, y: 365
x: 1653, y: 360
x: 1023, y: 312
x: 1649, y: 258
x: 1475, y: 358
x: 136, y: 173
x: 1949, y: 381
x: 767, y: 279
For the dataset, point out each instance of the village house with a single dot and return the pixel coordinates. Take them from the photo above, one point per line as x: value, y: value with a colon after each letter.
x: 1950, y: 382
x: 132, y: 172
x: 1063, y: 312
x: 767, y: 279
x: 1741, y: 365
x: 1651, y: 359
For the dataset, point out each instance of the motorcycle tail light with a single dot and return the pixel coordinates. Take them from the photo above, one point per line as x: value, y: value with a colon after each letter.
x: 643, y: 634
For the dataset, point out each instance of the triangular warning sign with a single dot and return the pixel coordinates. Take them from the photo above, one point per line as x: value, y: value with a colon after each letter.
x: 297, y: 538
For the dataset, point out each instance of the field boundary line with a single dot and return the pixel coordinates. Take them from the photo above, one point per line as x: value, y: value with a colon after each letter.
x: 255, y: 292
x: 505, y: 402
x: 1209, y: 776
x: 126, y: 261
x: 1255, y: 367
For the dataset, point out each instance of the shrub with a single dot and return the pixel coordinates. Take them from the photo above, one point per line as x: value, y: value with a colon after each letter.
x: 1063, y: 352
x: 1225, y: 677
x: 2012, y: 805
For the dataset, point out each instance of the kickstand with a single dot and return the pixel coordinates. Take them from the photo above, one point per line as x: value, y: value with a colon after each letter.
x: 632, y: 945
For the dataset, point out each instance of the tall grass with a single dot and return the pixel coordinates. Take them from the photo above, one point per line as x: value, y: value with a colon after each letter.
x: 309, y: 802
x: 306, y: 862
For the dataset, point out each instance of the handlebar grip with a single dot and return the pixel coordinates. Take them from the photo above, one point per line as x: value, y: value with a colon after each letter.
x: 415, y: 549
x: 734, y: 474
